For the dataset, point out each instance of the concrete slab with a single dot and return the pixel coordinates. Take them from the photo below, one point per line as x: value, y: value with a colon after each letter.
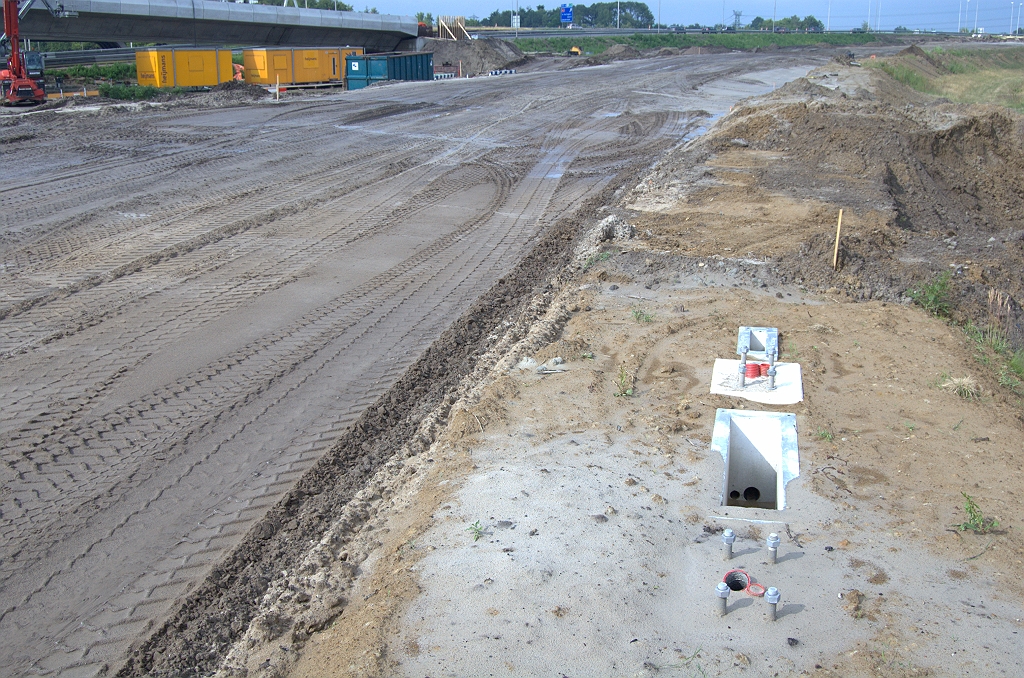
x: 788, y: 383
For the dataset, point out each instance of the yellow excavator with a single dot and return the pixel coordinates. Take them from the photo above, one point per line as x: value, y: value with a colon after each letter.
x: 574, y: 51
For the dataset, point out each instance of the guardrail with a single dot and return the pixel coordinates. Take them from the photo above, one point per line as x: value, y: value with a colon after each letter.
x: 88, y: 57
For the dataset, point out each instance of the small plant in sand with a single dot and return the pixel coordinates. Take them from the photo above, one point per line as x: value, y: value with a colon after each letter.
x: 825, y: 434
x: 595, y: 258
x: 976, y: 520
x: 933, y: 297
x: 641, y: 315
x: 1016, y: 363
x: 476, y: 530
x: 965, y: 387
x: 623, y: 383
x: 1011, y: 382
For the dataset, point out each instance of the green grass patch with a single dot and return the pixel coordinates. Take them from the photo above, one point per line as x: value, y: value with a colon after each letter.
x: 988, y: 337
x: 1016, y: 363
x: 933, y: 297
x: 909, y: 77
x: 739, y: 41
x: 994, y: 350
x: 969, y: 76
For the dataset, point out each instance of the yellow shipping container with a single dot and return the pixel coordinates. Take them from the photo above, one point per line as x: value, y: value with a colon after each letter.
x: 266, y: 66
x: 348, y: 51
x: 183, y: 67
x: 154, y: 67
x: 294, y: 66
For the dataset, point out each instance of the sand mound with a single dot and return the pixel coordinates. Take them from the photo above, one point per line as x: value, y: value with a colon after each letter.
x: 620, y: 52
x: 476, y: 56
x: 916, y: 58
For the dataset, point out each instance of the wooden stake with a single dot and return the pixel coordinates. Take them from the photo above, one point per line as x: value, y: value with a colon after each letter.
x: 835, y: 254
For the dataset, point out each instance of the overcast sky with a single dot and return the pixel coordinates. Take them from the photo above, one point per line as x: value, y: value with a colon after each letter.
x: 992, y: 15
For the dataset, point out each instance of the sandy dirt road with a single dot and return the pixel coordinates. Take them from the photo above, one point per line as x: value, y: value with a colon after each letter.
x: 200, y: 299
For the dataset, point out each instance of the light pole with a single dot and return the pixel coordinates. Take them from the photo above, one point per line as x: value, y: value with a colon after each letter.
x: 618, y: 14
x: 828, y: 19
x: 967, y: 13
x: 1011, y: 17
x: 976, y: 6
x: 659, y: 17
x: 959, y: 10
x: 1017, y: 29
x: 878, y: 17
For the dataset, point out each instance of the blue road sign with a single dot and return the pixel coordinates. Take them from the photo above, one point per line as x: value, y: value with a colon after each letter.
x: 566, y: 14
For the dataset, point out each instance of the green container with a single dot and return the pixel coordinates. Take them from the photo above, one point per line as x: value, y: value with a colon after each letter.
x: 414, y: 66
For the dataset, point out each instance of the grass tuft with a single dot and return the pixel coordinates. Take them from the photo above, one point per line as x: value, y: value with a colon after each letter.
x: 934, y: 297
x: 964, y: 387
x: 641, y: 315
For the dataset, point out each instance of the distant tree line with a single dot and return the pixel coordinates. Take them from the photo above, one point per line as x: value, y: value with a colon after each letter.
x: 598, y: 15
x: 793, y: 24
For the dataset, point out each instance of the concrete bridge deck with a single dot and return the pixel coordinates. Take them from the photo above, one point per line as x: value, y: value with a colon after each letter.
x: 202, y: 22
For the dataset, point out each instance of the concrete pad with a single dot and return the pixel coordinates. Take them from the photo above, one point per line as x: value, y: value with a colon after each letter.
x: 788, y: 383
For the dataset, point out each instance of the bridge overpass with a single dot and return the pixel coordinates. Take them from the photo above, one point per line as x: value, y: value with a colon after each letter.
x: 202, y: 22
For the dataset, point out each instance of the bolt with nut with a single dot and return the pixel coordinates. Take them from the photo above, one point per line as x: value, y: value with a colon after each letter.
x: 772, y: 595
x: 773, y: 547
x: 722, y: 591
x: 728, y: 537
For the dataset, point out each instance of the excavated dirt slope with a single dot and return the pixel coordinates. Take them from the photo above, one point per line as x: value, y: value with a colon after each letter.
x: 927, y: 186
x: 474, y: 57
